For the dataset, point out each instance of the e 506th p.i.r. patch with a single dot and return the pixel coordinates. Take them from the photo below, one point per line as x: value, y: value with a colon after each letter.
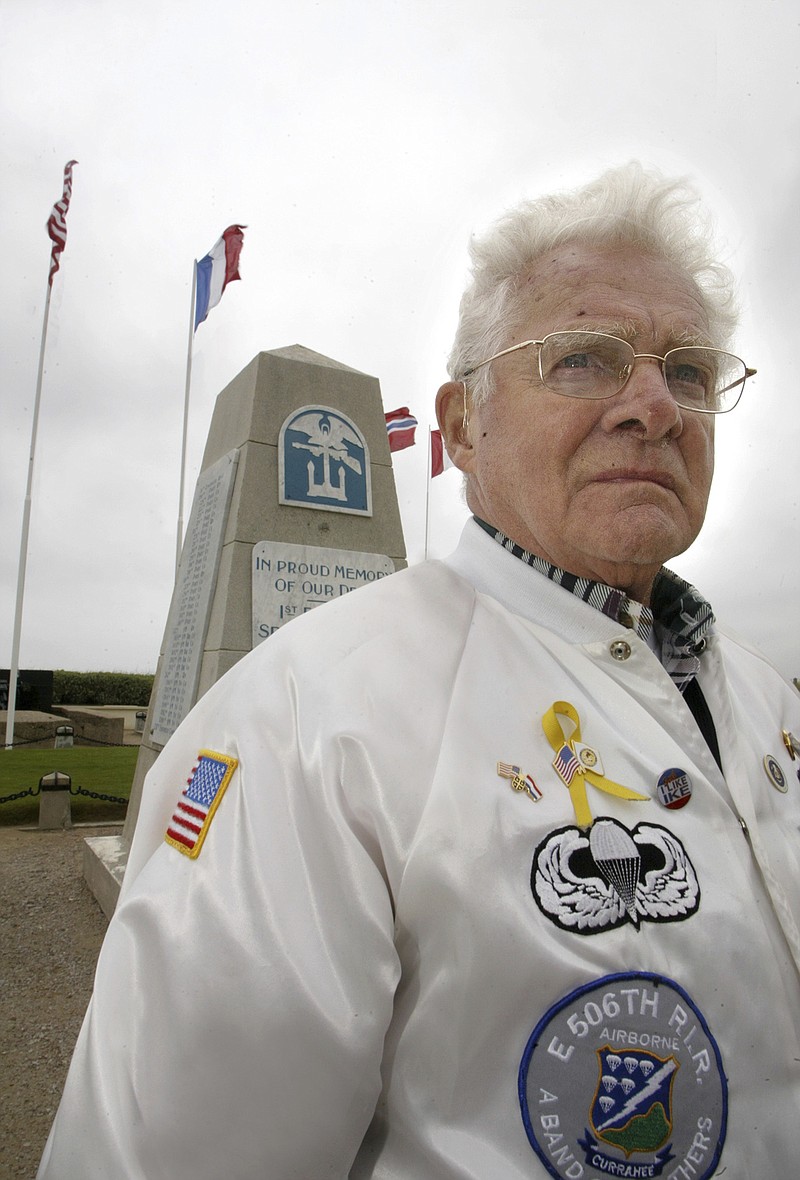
x: 623, y: 1077
x: 199, y: 801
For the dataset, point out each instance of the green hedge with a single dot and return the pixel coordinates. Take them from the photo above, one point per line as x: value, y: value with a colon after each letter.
x: 101, y: 688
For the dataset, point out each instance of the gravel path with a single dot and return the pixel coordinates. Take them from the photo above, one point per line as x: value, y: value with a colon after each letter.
x: 51, y: 928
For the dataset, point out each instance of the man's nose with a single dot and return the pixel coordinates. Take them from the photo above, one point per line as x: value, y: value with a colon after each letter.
x: 645, y: 402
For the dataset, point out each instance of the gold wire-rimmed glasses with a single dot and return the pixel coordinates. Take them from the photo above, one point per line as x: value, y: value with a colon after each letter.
x: 595, y: 365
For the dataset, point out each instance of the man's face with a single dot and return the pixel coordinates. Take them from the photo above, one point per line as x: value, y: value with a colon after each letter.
x: 609, y: 489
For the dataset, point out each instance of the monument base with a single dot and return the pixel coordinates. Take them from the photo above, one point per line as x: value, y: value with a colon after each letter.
x: 104, y: 860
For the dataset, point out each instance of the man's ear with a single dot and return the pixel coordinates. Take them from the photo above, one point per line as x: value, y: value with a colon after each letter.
x: 453, y: 404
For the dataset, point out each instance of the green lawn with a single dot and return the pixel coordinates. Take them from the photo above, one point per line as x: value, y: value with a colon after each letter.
x: 108, y: 770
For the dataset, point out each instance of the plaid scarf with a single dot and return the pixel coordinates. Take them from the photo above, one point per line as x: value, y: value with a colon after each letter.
x: 680, y: 618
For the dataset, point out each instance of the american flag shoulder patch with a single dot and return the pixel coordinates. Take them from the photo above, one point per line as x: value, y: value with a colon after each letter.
x: 199, y: 801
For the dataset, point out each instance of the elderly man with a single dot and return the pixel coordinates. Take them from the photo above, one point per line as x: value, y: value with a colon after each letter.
x: 495, y: 866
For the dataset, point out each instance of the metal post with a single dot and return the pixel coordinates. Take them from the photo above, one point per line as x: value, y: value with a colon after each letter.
x: 179, y: 545
x: 23, y: 548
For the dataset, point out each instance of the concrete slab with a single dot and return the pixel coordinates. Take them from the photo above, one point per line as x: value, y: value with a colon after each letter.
x: 104, y: 860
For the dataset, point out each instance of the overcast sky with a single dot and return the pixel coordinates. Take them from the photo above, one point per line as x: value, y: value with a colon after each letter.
x: 360, y: 142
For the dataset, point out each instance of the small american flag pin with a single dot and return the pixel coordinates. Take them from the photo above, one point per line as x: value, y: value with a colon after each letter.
x: 519, y: 781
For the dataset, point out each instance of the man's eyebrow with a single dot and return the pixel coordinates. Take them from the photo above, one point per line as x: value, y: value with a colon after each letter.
x: 691, y: 336
x: 629, y: 330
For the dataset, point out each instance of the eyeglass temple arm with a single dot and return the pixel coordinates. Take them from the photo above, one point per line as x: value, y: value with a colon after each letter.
x: 505, y: 352
x: 741, y: 380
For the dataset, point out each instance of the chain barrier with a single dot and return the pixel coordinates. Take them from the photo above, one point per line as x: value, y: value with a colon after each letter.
x: 98, y: 795
x: 99, y: 742
x: 29, y: 741
x: 19, y: 795
x: 81, y: 739
x: 33, y: 791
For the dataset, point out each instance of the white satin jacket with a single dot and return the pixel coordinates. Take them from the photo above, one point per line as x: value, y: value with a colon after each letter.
x: 387, y: 962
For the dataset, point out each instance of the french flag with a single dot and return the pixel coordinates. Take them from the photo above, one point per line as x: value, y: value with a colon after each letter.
x: 219, y: 267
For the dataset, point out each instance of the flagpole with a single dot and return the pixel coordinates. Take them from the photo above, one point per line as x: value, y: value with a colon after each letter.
x: 186, y: 419
x: 23, y: 548
x: 428, y: 495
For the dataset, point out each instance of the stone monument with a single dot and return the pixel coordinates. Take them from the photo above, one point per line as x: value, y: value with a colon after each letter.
x: 295, y: 505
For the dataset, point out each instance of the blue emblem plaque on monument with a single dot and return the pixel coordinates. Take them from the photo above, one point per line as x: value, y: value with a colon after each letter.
x: 323, y: 462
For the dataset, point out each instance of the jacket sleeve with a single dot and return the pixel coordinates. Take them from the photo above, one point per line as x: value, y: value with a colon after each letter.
x: 242, y: 996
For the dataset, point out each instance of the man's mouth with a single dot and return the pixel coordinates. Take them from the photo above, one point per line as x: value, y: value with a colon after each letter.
x: 635, y: 475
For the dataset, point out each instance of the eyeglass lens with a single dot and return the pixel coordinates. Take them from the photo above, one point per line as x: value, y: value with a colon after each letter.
x: 593, y: 365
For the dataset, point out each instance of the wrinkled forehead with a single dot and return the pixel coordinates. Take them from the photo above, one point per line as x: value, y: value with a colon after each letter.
x: 622, y: 290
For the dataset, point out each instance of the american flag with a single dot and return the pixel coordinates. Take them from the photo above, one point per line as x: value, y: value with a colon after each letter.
x: 57, y: 222
x: 198, y: 802
x: 566, y: 765
x: 508, y: 770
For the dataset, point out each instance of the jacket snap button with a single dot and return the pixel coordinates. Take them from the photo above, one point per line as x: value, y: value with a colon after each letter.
x: 620, y: 649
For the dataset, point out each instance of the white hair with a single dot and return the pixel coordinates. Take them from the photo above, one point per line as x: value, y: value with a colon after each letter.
x: 627, y: 206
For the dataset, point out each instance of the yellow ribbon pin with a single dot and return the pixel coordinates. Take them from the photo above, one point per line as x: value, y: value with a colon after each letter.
x: 574, y: 772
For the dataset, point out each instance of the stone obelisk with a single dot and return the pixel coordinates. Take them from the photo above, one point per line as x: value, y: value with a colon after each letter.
x: 295, y: 504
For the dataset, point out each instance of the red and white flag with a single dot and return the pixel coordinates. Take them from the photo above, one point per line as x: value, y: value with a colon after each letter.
x: 401, y: 425
x: 57, y: 222
x: 440, y: 460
